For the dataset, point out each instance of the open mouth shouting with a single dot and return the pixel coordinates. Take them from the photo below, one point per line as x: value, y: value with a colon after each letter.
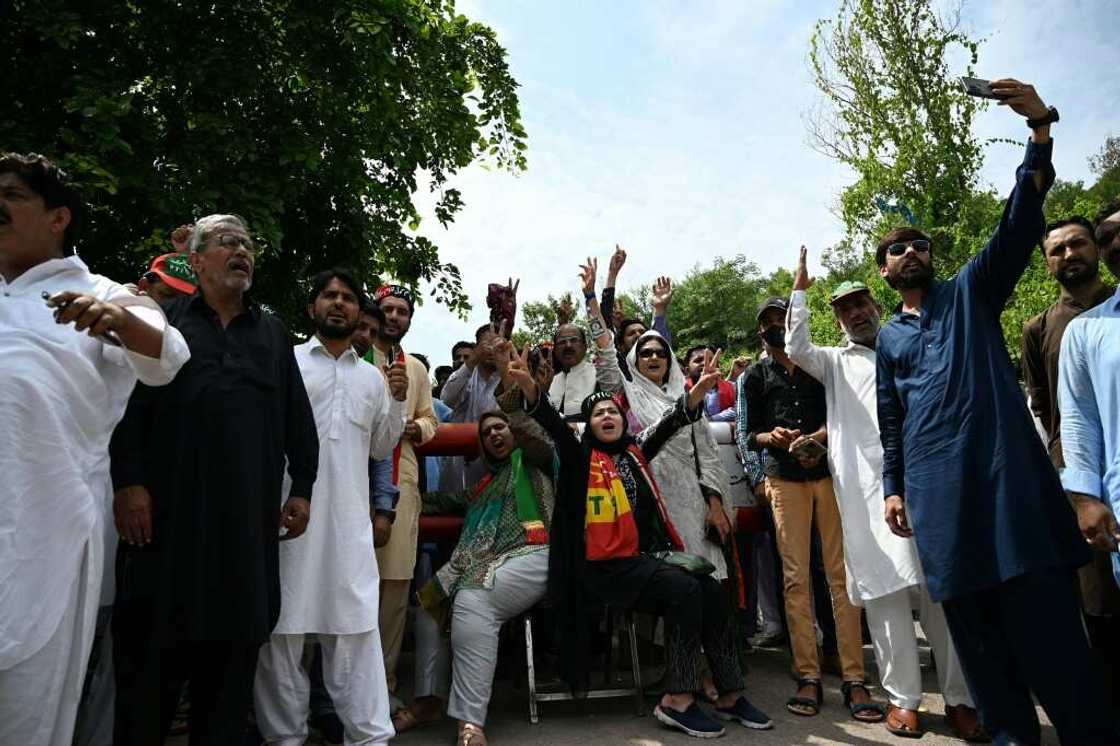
x: 240, y: 264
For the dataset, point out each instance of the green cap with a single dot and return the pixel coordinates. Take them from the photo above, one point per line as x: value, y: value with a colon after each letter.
x: 848, y: 287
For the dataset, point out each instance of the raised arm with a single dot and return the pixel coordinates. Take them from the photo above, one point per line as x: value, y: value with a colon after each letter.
x: 800, y: 348
x: 997, y: 268
x: 662, y: 296
x: 517, y: 376
x: 529, y: 435
x: 389, y: 412
x: 607, y: 373
x: 618, y: 259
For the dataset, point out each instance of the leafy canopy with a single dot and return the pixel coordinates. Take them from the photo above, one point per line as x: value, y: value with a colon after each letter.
x: 311, y: 120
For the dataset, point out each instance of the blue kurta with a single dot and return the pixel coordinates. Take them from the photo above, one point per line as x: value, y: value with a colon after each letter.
x: 959, y: 445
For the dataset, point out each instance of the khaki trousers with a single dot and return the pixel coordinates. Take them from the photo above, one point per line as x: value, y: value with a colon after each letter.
x: 392, y: 615
x: 795, y: 505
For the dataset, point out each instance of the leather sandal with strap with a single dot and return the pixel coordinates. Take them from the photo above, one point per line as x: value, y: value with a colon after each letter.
x: 903, y: 722
x: 471, y: 735
x: 966, y: 724
x: 813, y: 703
x: 864, y: 712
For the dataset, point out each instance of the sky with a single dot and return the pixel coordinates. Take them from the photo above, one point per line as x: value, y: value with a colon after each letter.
x: 676, y: 129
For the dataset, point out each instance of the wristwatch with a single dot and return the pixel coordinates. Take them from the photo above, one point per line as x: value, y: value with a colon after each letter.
x: 1050, y: 118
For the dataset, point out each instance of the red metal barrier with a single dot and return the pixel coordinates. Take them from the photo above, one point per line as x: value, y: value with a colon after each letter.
x: 452, y: 439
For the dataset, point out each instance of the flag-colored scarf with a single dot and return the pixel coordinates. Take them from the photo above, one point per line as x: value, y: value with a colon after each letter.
x: 611, y: 530
x: 528, y: 511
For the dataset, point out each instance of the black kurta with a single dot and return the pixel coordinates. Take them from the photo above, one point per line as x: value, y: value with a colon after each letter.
x: 210, y: 447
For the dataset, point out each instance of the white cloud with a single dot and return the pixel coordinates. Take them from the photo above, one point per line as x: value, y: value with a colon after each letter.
x: 676, y: 131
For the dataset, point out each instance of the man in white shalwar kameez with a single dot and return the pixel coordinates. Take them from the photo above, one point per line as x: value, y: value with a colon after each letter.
x: 329, y: 578
x: 883, y: 570
x: 61, y: 394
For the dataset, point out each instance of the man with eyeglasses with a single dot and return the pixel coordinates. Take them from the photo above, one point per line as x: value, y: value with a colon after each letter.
x: 965, y: 473
x: 198, y: 468
x: 575, y: 373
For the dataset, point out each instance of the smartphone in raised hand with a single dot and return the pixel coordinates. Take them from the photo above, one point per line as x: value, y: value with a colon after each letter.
x: 978, y: 87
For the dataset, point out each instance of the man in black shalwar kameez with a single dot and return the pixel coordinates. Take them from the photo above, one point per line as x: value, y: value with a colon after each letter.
x: 198, y: 470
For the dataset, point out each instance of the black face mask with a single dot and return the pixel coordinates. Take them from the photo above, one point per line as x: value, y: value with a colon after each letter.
x: 775, y: 336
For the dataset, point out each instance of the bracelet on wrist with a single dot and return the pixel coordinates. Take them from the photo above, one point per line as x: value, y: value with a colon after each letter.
x: 589, y: 295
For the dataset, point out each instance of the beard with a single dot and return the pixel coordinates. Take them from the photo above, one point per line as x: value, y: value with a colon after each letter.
x: 1076, y: 275
x: 909, y: 277
x: 330, y: 329
x: 864, y: 333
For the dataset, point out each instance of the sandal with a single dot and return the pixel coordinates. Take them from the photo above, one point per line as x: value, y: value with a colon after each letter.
x: 471, y: 735
x: 811, y: 703
x: 406, y: 719
x: 864, y: 712
x: 903, y: 723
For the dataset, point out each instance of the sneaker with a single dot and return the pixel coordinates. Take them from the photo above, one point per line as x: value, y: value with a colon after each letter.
x: 774, y: 639
x: 747, y: 715
x: 329, y: 727
x: 692, y: 721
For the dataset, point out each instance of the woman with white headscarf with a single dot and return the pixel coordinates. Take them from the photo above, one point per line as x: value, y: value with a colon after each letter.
x: 687, y: 467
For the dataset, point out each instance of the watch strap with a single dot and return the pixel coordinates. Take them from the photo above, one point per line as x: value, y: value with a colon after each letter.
x: 1050, y: 118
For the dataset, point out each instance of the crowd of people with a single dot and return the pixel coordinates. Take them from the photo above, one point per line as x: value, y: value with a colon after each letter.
x: 209, y: 520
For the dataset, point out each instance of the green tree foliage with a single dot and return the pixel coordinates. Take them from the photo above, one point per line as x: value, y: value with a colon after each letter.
x: 311, y: 120
x: 893, y: 112
x: 717, y: 305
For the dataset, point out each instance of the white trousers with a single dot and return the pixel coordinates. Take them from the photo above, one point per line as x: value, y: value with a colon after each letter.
x: 39, y: 696
x: 353, y: 672
x: 890, y: 620
x: 476, y: 618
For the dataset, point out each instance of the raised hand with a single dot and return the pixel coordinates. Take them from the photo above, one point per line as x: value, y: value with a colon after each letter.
x: 740, y: 364
x: 565, y: 311
x: 709, y: 376
x: 396, y: 375
x: 1021, y: 97
x: 518, y: 372
x: 618, y: 258
x: 662, y: 295
x: 801, y: 278
x: 587, y: 274
x: 618, y: 315
x: 502, y: 351
x: 513, y: 285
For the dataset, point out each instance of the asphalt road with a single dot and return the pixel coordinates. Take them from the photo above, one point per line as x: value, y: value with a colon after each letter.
x: 615, y: 721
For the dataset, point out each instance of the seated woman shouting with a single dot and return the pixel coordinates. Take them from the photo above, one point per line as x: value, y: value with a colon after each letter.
x: 499, y: 568
x: 612, y: 542
x: 687, y: 468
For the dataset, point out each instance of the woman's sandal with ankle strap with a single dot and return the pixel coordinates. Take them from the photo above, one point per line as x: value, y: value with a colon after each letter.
x: 814, y: 703
x: 876, y: 711
x: 471, y: 735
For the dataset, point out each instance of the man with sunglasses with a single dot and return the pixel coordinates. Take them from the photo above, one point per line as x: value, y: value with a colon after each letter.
x: 198, y: 467
x: 965, y: 473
